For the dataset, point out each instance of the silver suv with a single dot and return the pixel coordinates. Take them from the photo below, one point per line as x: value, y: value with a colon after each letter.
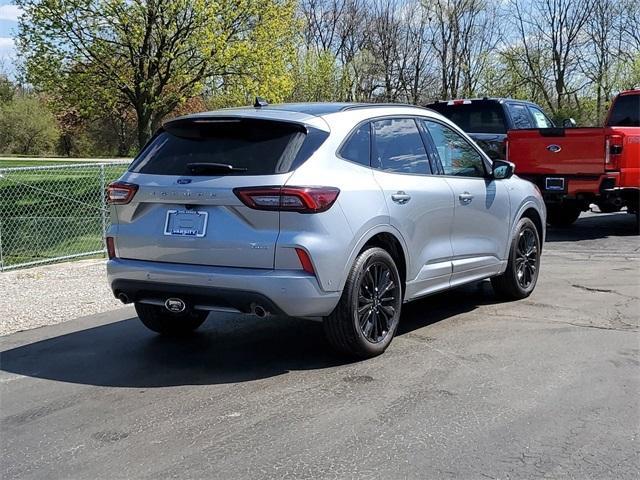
x: 331, y: 210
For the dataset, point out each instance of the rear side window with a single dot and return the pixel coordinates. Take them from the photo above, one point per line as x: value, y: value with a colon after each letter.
x: 398, y: 147
x: 247, y: 146
x: 358, y: 147
x: 625, y: 112
x: 474, y: 117
x: 519, y: 115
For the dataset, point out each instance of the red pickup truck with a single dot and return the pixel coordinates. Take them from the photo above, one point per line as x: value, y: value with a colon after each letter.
x: 575, y: 167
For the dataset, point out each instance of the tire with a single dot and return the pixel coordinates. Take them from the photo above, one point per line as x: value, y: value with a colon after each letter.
x: 369, y: 333
x: 521, y: 275
x: 562, y: 215
x: 159, y: 320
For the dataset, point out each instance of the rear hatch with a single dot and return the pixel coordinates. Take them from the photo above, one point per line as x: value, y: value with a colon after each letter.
x: 184, y: 209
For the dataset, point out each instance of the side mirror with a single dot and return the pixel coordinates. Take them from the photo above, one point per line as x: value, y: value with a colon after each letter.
x: 569, y: 123
x: 503, y: 169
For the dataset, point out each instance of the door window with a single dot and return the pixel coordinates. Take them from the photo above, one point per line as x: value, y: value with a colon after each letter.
x: 358, y: 147
x: 539, y: 118
x: 398, y: 147
x: 519, y: 115
x: 456, y: 154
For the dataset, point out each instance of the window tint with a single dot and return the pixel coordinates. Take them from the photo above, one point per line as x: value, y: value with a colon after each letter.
x: 519, y: 115
x: 625, y: 112
x: 539, y: 118
x: 474, y: 117
x: 457, y: 155
x: 358, y: 146
x: 398, y: 147
x: 254, y: 147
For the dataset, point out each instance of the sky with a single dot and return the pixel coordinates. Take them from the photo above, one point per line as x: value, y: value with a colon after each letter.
x: 9, y: 14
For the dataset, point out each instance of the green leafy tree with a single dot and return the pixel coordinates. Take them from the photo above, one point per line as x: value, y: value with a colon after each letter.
x: 7, y: 89
x: 318, y: 78
x: 27, y: 127
x: 153, y: 55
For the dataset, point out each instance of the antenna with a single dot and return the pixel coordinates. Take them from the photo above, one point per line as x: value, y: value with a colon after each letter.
x: 260, y: 102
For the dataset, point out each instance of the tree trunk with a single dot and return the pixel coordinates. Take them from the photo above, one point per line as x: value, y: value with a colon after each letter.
x: 144, y: 127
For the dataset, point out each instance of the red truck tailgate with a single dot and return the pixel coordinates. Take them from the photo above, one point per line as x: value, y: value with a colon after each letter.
x: 548, y: 151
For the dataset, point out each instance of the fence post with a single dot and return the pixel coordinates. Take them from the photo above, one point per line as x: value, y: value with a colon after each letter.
x: 104, y: 206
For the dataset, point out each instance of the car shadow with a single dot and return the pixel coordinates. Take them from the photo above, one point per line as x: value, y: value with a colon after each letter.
x: 226, y: 350
x: 595, y: 226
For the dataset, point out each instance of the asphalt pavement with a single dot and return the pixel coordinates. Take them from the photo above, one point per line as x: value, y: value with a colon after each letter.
x: 471, y: 388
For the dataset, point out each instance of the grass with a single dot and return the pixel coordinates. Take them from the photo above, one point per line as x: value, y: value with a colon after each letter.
x: 45, y: 214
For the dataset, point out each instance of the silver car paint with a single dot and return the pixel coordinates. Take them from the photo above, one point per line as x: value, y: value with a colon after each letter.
x: 446, y: 241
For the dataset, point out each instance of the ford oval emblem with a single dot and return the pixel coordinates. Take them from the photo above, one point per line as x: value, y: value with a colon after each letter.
x: 175, y: 305
x: 183, y: 181
x: 554, y: 148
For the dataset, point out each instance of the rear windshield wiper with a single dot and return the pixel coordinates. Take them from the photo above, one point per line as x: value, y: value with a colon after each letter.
x: 222, y: 168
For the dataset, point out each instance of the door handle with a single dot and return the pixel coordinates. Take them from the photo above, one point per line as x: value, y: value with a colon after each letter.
x: 465, y: 198
x: 400, y: 197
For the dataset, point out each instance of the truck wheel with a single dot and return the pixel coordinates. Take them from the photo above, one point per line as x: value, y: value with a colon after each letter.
x: 562, y: 215
x: 365, y: 320
x: 156, y: 318
x: 521, y: 275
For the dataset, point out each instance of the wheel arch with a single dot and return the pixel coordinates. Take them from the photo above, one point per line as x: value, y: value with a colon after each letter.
x: 387, y: 238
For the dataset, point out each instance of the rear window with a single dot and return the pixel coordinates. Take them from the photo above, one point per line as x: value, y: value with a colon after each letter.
x: 625, y: 112
x: 475, y: 117
x: 248, y: 146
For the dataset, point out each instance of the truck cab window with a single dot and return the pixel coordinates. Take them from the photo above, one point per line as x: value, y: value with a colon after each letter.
x: 519, y: 115
x: 540, y: 119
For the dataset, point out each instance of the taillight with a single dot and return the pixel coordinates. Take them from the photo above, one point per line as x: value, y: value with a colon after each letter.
x: 288, y: 199
x: 613, y: 150
x: 111, y: 247
x: 305, y: 261
x: 121, y: 193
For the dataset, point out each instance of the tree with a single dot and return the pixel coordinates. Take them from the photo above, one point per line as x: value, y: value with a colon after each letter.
x: 7, y: 89
x: 464, y: 32
x: 552, y: 33
x: 27, y: 127
x: 153, y: 55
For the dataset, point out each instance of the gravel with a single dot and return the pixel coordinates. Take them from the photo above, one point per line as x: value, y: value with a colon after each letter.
x: 52, y: 294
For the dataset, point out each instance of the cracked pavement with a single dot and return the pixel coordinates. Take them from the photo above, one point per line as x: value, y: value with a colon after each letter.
x: 547, y: 387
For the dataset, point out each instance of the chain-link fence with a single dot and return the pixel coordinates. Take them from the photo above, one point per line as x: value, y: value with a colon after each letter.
x: 53, y: 213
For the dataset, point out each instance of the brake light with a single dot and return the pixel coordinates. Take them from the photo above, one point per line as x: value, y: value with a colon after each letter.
x: 459, y: 102
x: 613, y: 150
x: 121, y: 193
x: 305, y: 261
x: 288, y: 199
x: 111, y: 247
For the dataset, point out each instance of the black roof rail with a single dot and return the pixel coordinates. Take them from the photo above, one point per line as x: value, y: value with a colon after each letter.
x: 356, y: 106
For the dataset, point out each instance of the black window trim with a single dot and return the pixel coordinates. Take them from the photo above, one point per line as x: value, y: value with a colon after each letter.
x: 486, y: 161
x: 370, y: 120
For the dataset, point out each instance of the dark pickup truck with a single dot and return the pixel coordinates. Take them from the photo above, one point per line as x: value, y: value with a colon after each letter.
x: 487, y: 120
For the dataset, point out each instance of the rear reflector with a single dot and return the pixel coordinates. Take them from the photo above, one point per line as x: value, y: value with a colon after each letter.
x: 121, y: 193
x: 305, y: 261
x: 288, y: 199
x: 111, y: 247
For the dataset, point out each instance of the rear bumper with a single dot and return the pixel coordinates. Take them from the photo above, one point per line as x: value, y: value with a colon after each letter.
x: 289, y: 292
